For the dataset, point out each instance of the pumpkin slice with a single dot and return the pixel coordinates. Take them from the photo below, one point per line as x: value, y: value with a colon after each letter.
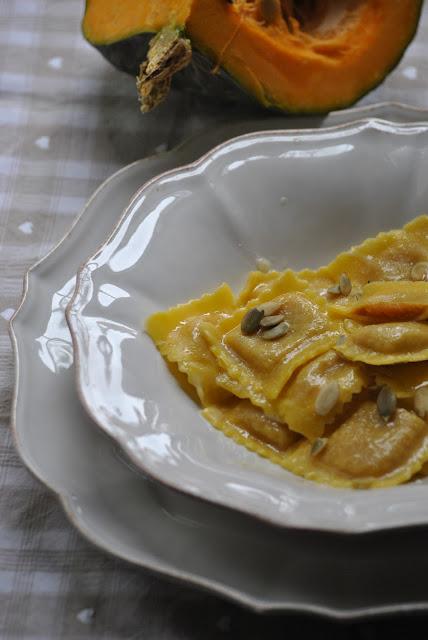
x: 295, y: 55
x: 390, y: 255
x: 262, y: 367
x: 364, y: 452
x: 385, y: 343
x: 383, y: 301
x: 176, y: 333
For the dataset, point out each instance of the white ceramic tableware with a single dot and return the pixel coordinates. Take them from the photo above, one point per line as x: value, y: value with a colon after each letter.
x: 295, y: 197
x: 123, y: 513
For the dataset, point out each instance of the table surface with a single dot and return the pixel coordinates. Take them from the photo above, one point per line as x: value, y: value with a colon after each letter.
x: 67, y: 121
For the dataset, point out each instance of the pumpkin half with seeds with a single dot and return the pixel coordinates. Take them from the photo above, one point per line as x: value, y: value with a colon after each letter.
x: 318, y: 371
x: 301, y: 56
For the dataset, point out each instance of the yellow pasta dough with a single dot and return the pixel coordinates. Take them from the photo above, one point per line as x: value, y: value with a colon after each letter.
x: 385, y: 301
x: 296, y: 403
x: 263, y: 367
x: 389, y: 256
x: 365, y: 452
x: 385, y: 343
x: 255, y: 285
x: 403, y: 379
x: 176, y: 333
x: 248, y: 425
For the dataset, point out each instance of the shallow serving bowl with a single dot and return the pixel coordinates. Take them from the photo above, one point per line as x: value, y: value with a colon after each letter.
x: 296, y: 198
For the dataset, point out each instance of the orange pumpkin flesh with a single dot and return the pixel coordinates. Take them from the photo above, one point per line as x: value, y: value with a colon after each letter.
x: 314, y: 56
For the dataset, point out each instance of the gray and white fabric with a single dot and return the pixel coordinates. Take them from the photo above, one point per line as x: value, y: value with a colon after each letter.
x: 67, y: 121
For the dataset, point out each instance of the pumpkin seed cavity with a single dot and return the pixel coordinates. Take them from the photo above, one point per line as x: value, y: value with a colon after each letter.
x: 386, y: 403
x: 327, y: 398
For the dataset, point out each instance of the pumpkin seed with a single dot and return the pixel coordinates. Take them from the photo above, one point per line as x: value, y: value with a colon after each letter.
x: 263, y: 264
x: 334, y: 290
x: 250, y: 323
x: 276, y: 332
x: 327, y: 397
x: 345, y: 285
x: 270, y: 11
x: 269, y: 308
x: 271, y: 321
x: 318, y: 445
x: 419, y: 271
x: 421, y: 402
x: 386, y: 403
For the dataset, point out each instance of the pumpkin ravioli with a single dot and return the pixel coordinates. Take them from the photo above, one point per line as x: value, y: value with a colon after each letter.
x: 322, y: 372
x: 176, y: 333
x: 248, y: 425
x: 385, y: 343
x: 264, y: 367
x: 384, y: 301
x: 365, y: 452
x: 295, y: 405
x: 390, y: 255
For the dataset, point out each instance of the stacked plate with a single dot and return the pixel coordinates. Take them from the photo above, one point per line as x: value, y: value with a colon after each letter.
x: 163, y: 489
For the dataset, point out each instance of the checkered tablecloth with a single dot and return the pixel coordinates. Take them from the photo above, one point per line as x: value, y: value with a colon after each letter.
x: 67, y: 121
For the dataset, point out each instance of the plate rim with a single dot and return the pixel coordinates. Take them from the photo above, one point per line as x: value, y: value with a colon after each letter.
x: 65, y: 501
x: 74, y: 320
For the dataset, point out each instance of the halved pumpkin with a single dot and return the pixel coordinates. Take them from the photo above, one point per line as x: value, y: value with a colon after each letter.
x: 305, y: 56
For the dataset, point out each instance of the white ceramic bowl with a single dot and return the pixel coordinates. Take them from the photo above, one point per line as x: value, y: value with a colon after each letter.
x: 296, y: 198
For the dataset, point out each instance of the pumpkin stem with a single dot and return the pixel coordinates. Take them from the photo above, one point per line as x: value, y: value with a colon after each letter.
x: 168, y: 53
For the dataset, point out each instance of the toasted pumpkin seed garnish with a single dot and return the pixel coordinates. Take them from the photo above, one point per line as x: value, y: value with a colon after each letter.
x: 419, y: 271
x: 263, y: 264
x: 345, y: 285
x: 270, y: 308
x: 276, y: 332
x: 250, y: 323
x: 327, y: 398
x: 271, y: 321
x: 334, y: 290
x: 421, y: 402
x: 386, y: 403
x: 318, y: 445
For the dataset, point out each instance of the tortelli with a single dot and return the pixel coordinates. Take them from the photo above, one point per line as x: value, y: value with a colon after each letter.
x: 323, y: 372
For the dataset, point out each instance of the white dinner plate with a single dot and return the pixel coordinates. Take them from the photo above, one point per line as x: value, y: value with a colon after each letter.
x: 297, y: 198
x: 179, y: 537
